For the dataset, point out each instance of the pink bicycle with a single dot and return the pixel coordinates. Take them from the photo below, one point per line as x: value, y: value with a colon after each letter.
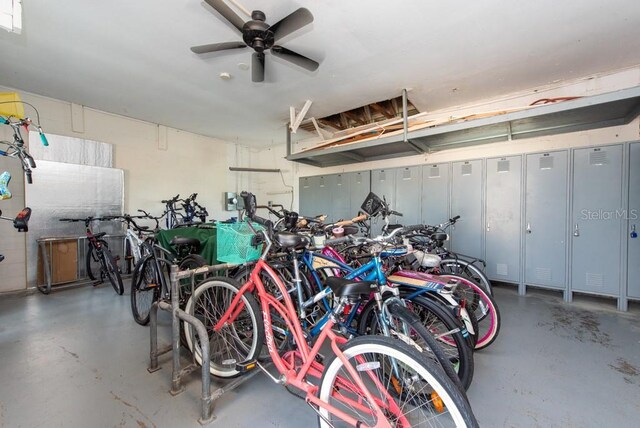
x: 370, y: 381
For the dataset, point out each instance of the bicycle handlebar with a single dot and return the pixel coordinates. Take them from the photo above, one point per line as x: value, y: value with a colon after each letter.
x: 357, y: 219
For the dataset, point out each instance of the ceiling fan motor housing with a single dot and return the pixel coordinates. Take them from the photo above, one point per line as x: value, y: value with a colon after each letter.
x: 256, y: 34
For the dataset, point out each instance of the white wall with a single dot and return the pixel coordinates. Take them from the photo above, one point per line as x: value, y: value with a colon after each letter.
x: 190, y: 163
x: 270, y: 187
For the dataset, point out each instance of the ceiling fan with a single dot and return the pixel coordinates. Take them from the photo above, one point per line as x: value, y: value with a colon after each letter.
x: 260, y: 36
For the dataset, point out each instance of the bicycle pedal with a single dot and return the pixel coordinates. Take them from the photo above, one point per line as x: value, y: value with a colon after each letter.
x: 319, y: 358
x: 246, y: 366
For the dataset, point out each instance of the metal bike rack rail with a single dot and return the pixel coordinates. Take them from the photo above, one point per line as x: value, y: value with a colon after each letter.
x: 178, y: 373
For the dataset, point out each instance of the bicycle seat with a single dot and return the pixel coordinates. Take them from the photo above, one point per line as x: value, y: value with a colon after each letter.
x: 291, y: 240
x: 181, y: 240
x: 99, y: 235
x: 350, y: 288
x: 439, y: 236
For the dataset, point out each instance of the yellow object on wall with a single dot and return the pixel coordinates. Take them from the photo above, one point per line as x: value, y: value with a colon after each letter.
x: 11, y: 105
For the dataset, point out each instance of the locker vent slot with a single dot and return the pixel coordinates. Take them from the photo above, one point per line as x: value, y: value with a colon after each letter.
x: 305, y: 183
x: 598, y: 158
x: 594, y: 280
x: 503, y: 166
x: 543, y: 274
x: 406, y: 174
x: 339, y: 180
x: 434, y: 172
x: 358, y: 178
x: 502, y: 269
x: 546, y: 162
x: 321, y: 181
x: 382, y: 176
x: 466, y: 169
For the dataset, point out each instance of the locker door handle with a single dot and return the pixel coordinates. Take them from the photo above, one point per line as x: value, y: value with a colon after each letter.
x: 528, y: 227
x: 488, y: 227
x: 576, y: 231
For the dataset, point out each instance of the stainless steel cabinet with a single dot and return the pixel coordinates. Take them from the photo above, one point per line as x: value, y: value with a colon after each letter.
x: 340, y: 194
x: 435, y: 193
x: 546, y: 220
x: 466, y: 201
x: 360, y: 187
x: 596, y: 221
x: 502, y: 224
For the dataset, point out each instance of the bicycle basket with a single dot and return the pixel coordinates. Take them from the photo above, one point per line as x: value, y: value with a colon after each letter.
x: 372, y: 204
x: 233, y: 242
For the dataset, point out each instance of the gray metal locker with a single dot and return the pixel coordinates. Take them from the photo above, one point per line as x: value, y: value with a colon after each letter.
x: 595, y: 222
x: 360, y: 188
x: 323, y: 196
x: 383, y: 184
x: 502, y: 218
x: 306, y: 191
x: 546, y: 219
x: 466, y: 201
x: 633, y: 228
x: 407, y: 195
x: 340, y: 190
x: 435, y: 193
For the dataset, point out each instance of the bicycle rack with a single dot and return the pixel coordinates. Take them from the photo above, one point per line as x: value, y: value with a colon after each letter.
x: 178, y: 373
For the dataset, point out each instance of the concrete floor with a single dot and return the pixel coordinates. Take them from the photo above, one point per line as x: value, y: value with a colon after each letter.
x: 76, y: 358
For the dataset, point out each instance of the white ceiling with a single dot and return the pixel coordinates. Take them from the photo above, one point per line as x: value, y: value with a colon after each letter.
x: 132, y: 57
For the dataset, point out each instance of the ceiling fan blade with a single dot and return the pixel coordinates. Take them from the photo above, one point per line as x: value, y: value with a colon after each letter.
x: 257, y: 67
x: 215, y: 47
x: 227, y: 13
x: 295, y: 58
x: 291, y: 23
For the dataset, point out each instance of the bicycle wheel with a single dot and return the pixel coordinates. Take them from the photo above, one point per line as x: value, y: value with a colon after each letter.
x: 406, y: 326
x: 111, y: 271
x: 92, y: 262
x: 468, y: 270
x: 192, y: 261
x: 449, y: 334
x: 411, y: 390
x: 145, y: 289
x: 279, y: 327
x: 238, y: 341
x: 483, y: 306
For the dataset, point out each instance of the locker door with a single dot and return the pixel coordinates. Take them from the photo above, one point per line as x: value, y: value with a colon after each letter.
x: 546, y: 219
x: 408, y: 189
x: 502, y: 222
x: 340, y: 196
x: 466, y: 201
x: 307, y: 199
x: 634, y: 223
x: 324, y: 189
x: 595, y: 223
x: 383, y: 184
x: 360, y: 188
x: 435, y: 193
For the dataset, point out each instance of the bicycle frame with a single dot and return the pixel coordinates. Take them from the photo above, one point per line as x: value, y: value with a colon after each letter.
x: 292, y: 371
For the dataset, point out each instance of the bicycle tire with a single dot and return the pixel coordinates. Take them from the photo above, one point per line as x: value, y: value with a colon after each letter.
x: 449, y: 333
x: 112, y: 272
x: 466, y: 269
x: 92, y: 260
x: 417, y: 333
x: 371, y: 355
x: 145, y: 282
x: 489, y: 320
x: 209, y: 301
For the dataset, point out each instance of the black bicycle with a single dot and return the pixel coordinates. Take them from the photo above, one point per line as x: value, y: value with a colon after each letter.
x: 150, y: 280
x: 99, y: 255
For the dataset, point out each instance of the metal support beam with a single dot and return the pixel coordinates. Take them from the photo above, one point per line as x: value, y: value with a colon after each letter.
x: 405, y: 123
x: 236, y: 168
